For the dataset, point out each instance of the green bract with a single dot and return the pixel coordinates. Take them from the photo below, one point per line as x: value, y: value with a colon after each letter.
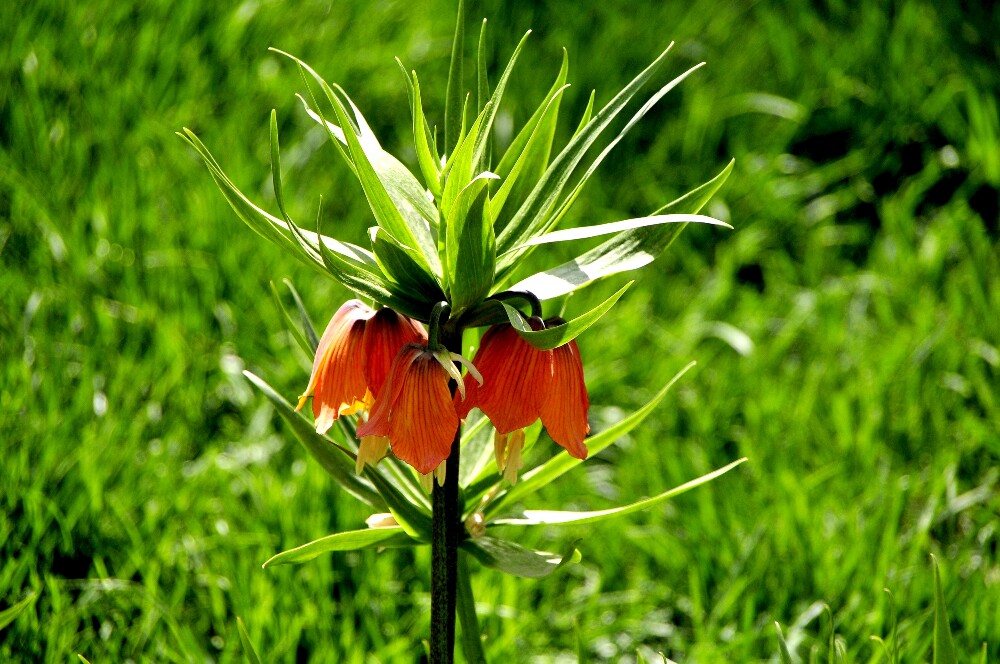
x: 462, y: 230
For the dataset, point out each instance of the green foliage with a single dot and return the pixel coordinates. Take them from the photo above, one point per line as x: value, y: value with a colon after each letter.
x: 862, y: 273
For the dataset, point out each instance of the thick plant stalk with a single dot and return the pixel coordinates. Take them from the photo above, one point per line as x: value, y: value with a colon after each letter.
x: 446, y: 532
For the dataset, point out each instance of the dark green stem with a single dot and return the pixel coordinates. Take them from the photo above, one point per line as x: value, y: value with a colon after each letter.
x: 524, y: 296
x: 446, y: 535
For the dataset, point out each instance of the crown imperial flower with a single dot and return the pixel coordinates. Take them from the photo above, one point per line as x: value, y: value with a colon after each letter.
x: 353, y: 359
x: 414, y: 409
x: 522, y: 384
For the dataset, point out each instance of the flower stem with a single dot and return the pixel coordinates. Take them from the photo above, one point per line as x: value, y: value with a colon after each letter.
x: 446, y: 531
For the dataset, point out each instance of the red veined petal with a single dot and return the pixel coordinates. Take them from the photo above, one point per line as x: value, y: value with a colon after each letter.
x: 422, y: 419
x: 337, y: 383
x: 378, y: 419
x: 385, y: 334
x: 564, y: 409
x: 514, y: 374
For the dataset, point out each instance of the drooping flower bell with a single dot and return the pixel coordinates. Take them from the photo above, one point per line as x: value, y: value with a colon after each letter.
x: 522, y: 384
x: 414, y: 408
x: 353, y: 359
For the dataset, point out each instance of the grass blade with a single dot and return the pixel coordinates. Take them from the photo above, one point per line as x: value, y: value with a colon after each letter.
x: 248, y: 650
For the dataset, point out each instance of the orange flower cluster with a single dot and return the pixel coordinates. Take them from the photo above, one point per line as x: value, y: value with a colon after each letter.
x: 379, y: 363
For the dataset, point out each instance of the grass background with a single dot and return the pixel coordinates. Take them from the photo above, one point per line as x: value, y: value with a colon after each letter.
x: 846, y: 331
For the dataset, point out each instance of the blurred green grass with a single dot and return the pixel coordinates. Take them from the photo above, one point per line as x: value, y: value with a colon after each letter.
x: 846, y: 332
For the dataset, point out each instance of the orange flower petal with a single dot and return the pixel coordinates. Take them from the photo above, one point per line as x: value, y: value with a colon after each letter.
x: 378, y: 419
x: 513, y: 379
x: 385, y: 334
x: 337, y: 383
x: 423, y: 422
x: 564, y: 409
x: 415, y: 410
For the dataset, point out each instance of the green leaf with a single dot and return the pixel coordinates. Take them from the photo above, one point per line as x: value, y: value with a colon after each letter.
x: 473, y: 271
x: 397, y: 263
x: 527, y: 157
x: 307, y: 326
x: 472, y: 642
x: 587, y: 113
x: 786, y: 657
x: 569, y: 199
x: 395, y: 196
x: 392, y: 536
x: 490, y: 109
x: 553, y: 337
x: 514, y: 559
x: 423, y: 145
x: 293, y: 329
x: 629, y: 250
x: 561, y: 518
x: 369, y: 284
x: 10, y: 614
x: 482, y: 82
x: 351, y: 265
x: 944, y: 646
x: 562, y: 463
x: 532, y: 215
x: 584, y: 232
x: 533, y: 157
x: 334, y: 459
x: 248, y: 650
x: 454, y: 93
x: 410, y: 515
x: 266, y: 225
x: 411, y: 230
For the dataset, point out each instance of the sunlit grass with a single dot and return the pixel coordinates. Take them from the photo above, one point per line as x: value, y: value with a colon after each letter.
x: 143, y: 483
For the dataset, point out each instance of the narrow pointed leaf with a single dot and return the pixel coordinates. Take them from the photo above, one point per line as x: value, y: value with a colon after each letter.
x: 584, y: 232
x: 476, y: 254
x: 490, y: 109
x: 454, y: 93
x: 520, y: 143
x: 307, y: 326
x: 293, y: 329
x: 458, y: 174
x: 394, y: 194
x: 482, y: 82
x: 553, y: 337
x: 353, y: 540
x: 533, y: 157
x: 10, y: 614
x: 514, y: 559
x: 562, y: 463
x: 353, y: 266
x: 786, y: 657
x: 334, y: 459
x: 411, y: 517
x: 472, y: 642
x: 562, y: 518
x: 944, y: 646
x: 626, y: 251
x: 570, y: 198
x: 248, y: 650
x: 533, y: 213
x: 426, y: 157
x: 588, y: 113
x: 412, y: 231
x: 397, y: 263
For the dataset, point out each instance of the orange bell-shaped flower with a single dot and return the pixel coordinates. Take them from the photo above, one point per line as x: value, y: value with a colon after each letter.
x: 337, y: 383
x: 353, y: 359
x: 414, y: 409
x: 522, y: 384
